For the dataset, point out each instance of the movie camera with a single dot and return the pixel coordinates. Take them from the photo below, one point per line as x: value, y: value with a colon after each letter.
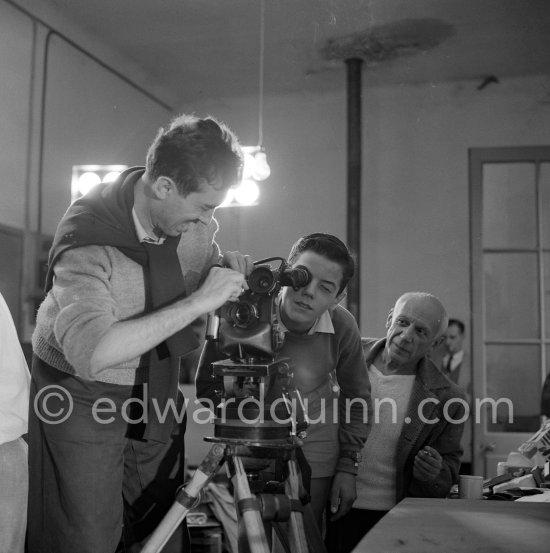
x: 258, y: 401
x: 259, y: 420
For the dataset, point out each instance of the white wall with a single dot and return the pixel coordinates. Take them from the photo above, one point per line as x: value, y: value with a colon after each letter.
x: 91, y: 116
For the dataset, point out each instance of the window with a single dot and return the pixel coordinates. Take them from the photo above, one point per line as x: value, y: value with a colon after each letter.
x: 510, y: 239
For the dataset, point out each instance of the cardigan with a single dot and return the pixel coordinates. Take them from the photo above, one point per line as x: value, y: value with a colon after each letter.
x: 431, y: 392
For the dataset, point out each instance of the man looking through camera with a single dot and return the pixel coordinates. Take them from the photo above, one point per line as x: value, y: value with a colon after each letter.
x: 322, y: 341
x: 123, y: 290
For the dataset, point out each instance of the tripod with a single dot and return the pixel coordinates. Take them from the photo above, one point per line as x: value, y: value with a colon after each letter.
x: 257, y: 512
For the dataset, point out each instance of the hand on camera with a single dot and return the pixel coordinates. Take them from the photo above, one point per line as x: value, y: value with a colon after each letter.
x: 238, y: 262
x: 221, y: 285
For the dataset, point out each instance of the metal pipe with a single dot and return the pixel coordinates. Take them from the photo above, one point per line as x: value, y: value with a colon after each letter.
x: 354, y: 67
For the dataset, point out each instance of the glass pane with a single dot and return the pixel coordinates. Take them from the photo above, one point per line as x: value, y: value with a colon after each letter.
x: 509, y: 205
x: 545, y: 201
x: 511, y: 296
x: 545, y: 395
x: 513, y: 374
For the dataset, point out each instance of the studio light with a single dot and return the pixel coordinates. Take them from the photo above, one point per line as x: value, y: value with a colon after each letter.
x: 85, y: 177
x: 247, y: 192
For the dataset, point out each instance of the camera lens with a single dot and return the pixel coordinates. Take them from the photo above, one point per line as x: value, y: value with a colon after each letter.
x: 243, y: 314
x: 262, y: 280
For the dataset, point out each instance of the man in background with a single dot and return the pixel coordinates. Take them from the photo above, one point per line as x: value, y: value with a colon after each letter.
x: 14, y: 406
x: 455, y: 365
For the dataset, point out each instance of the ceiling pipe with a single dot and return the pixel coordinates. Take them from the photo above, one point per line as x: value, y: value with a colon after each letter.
x: 354, y: 88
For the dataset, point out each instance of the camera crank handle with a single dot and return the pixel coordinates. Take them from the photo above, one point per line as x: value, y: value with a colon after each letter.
x: 212, y: 325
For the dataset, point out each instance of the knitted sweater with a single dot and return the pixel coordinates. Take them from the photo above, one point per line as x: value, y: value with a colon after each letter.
x: 96, y: 286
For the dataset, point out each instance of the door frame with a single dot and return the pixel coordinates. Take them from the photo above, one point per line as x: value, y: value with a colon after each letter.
x: 483, y: 441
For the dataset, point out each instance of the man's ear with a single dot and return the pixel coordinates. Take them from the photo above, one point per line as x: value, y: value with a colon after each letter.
x: 337, y: 300
x: 438, y: 341
x: 163, y: 187
x: 389, y: 319
x: 340, y: 297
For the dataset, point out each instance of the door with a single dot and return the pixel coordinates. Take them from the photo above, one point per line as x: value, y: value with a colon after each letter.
x: 510, y: 250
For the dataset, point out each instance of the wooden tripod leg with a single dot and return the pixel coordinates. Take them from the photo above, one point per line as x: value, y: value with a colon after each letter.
x: 298, y: 538
x: 185, y: 499
x: 252, y: 518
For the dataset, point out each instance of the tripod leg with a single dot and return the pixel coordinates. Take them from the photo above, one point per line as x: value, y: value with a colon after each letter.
x: 297, y: 530
x: 246, y: 502
x: 185, y: 499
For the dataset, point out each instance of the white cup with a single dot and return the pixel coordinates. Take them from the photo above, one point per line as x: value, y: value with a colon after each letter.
x: 470, y: 487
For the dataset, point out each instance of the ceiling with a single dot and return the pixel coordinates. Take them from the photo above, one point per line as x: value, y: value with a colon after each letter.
x: 203, y: 49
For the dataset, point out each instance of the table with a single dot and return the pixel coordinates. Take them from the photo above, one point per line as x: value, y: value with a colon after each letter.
x: 423, y: 525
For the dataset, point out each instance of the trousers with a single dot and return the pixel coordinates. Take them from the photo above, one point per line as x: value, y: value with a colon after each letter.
x: 94, y: 485
x: 13, y: 496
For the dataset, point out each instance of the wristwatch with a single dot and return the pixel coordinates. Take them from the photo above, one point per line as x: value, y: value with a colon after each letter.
x: 355, y: 456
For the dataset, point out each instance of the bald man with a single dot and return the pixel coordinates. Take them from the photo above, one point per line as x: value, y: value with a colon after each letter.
x: 413, y: 447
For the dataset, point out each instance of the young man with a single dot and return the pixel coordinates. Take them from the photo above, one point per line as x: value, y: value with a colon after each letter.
x: 414, y: 444
x: 323, y: 341
x: 123, y: 290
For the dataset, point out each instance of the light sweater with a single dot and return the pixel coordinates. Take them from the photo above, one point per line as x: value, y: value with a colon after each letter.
x: 376, y: 480
x: 14, y: 380
x: 97, y: 286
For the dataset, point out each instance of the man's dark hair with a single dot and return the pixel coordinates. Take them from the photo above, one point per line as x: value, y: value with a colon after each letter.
x: 192, y: 151
x: 330, y: 247
x: 457, y: 322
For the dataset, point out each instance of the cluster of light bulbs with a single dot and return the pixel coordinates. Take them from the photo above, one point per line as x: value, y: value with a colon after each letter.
x: 255, y: 169
x: 85, y: 177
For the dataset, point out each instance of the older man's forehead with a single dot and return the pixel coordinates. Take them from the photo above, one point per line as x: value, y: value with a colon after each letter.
x: 423, y: 310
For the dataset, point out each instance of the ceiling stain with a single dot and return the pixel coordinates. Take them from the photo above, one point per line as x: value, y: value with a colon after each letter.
x: 387, y: 42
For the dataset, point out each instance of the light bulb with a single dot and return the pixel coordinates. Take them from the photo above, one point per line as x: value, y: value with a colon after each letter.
x: 248, y: 165
x: 247, y: 192
x: 87, y: 181
x: 261, y: 167
x: 111, y: 176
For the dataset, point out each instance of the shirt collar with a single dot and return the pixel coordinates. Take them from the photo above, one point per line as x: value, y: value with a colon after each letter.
x: 457, y: 357
x: 142, y: 234
x: 323, y: 324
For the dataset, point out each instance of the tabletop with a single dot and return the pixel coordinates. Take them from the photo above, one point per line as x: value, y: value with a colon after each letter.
x: 425, y: 525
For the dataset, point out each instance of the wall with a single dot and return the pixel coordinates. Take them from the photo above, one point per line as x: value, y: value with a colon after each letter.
x: 60, y: 106
x: 415, y: 206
